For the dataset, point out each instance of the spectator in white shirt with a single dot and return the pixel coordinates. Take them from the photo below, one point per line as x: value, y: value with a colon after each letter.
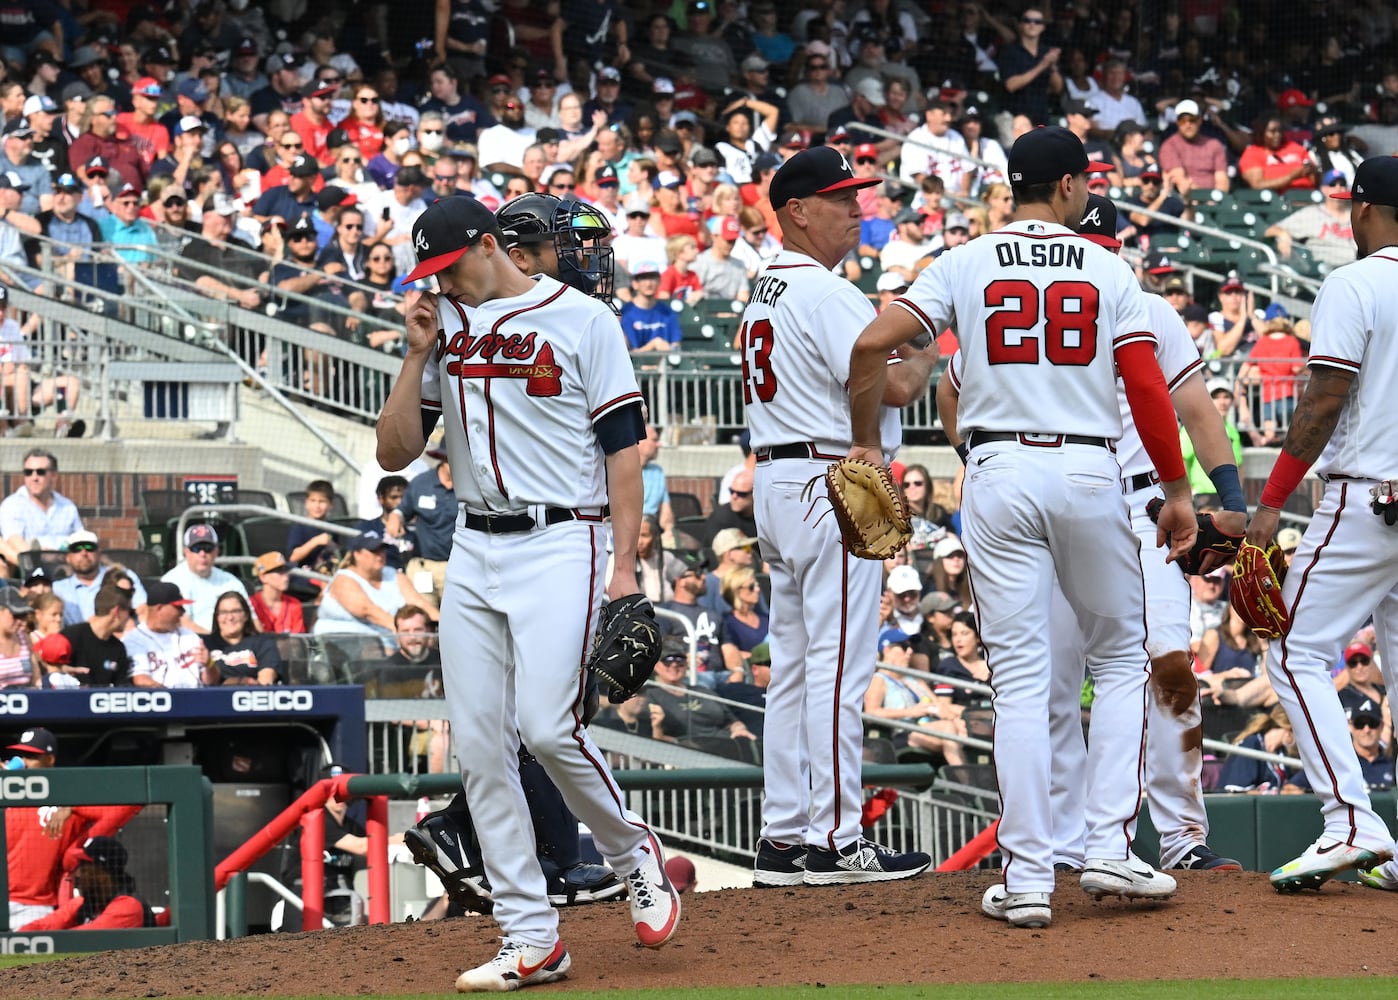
x: 945, y: 158
x: 86, y: 573
x: 1114, y: 105
x: 199, y: 579
x: 901, y: 254
x: 36, y: 513
x: 165, y: 654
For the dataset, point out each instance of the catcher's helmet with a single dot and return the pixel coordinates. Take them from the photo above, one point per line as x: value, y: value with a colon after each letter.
x: 576, y: 231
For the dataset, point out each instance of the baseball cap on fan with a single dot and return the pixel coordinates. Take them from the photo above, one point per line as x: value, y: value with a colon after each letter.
x: 35, y: 741
x: 447, y: 230
x: 1375, y: 182
x: 820, y: 170
x: 1043, y: 155
x: 1099, y: 222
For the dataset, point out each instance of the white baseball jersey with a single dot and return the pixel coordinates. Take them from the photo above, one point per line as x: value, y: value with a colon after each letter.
x: 1179, y: 358
x: 165, y: 657
x: 940, y: 160
x: 526, y: 378
x: 798, y: 330
x: 1039, y: 312
x: 1356, y: 328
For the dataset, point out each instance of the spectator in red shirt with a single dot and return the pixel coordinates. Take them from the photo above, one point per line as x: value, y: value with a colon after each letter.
x: 106, y: 896
x: 1273, y: 162
x: 312, y: 123
x: 678, y: 281
x: 365, y: 123
x: 276, y: 612
x: 1274, y: 363
x: 1192, y: 160
x: 152, y: 138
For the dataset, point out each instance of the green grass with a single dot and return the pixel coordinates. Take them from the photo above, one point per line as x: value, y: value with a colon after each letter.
x: 14, y: 961
x: 1375, y: 988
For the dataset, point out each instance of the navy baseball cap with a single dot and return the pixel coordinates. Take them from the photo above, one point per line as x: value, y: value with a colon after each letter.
x: 367, y: 541
x: 1375, y: 182
x: 446, y: 230
x: 107, y: 852
x: 820, y: 170
x: 1099, y: 222
x: 36, y: 741
x: 160, y: 592
x: 1043, y: 155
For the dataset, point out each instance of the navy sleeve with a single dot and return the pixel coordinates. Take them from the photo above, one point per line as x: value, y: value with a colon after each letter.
x: 620, y: 429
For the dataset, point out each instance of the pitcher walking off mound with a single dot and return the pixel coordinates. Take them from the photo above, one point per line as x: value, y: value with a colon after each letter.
x: 542, y: 420
x: 1046, y: 320
x: 1347, y: 563
x: 796, y: 336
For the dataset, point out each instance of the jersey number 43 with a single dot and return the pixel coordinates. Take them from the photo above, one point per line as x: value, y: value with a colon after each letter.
x: 755, y: 340
x: 1067, y: 310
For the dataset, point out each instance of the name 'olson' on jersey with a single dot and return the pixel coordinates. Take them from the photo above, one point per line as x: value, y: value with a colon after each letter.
x: 1056, y: 253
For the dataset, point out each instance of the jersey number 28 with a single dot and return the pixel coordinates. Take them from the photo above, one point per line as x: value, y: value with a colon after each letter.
x: 755, y: 339
x: 1069, y: 313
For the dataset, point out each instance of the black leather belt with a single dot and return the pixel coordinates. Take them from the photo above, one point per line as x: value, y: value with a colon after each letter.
x: 508, y: 524
x: 804, y: 449
x: 1139, y: 481
x: 978, y: 438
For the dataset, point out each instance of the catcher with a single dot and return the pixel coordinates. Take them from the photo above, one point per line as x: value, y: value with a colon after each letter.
x: 799, y: 326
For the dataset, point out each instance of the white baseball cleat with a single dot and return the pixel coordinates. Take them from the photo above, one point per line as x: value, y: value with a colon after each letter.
x: 1018, y: 909
x: 655, y: 905
x: 516, y: 965
x: 1380, y: 877
x: 1322, y: 863
x: 1129, y: 879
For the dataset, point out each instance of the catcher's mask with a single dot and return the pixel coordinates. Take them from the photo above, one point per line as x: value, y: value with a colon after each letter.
x: 577, y: 232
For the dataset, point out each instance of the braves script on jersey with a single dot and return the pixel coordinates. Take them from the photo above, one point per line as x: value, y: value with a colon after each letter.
x: 525, y: 378
x: 1056, y: 305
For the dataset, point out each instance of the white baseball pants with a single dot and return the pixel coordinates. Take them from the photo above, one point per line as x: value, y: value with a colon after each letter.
x: 1030, y: 515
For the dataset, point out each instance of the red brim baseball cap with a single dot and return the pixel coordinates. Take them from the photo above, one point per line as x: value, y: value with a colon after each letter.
x: 1375, y: 182
x: 447, y: 230
x: 822, y: 170
x: 1045, y: 154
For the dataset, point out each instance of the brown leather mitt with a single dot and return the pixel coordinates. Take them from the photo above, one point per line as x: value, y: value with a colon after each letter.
x: 872, y: 514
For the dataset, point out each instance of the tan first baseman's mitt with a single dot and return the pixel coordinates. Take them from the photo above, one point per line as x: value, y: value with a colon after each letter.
x: 1256, y: 591
x: 872, y: 514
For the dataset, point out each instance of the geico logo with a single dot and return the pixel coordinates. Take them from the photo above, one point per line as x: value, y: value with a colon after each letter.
x: 24, y: 786
x: 37, y: 945
x: 272, y: 701
x: 111, y: 702
x: 14, y: 704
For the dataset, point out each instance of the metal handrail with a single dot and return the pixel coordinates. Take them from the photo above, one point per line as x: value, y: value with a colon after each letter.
x: 252, y: 508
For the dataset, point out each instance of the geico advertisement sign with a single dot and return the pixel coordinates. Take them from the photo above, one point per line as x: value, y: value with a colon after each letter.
x: 14, y: 704
x: 39, y: 944
x: 272, y: 700
x: 129, y: 702
x: 24, y: 786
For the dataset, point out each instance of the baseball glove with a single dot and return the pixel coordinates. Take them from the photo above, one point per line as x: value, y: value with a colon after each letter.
x: 1256, y: 589
x: 1211, y: 538
x: 869, y: 507
x: 626, y: 647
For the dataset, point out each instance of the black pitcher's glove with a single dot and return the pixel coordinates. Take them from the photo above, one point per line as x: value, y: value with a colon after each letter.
x: 1211, y: 538
x: 626, y: 648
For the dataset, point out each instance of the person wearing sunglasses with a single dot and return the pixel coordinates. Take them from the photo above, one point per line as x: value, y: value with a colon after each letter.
x: 295, y: 196
x: 1365, y: 720
x: 1029, y: 69
x: 364, y: 126
x: 199, y: 580
x: 210, y: 261
x: 86, y: 572
x: 1323, y: 229
x: 345, y: 253
x: 37, y: 512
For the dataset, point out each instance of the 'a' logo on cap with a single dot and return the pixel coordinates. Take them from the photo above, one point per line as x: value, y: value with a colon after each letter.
x: 844, y: 165
x: 1093, y: 218
x: 420, y: 241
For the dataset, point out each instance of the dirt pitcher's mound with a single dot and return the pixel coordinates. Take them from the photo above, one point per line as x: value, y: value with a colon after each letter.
x: 928, y: 930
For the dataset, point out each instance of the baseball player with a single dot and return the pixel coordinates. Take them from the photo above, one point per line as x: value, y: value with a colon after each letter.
x: 796, y: 336
x: 1346, y: 566
x: 542, y: 420
x: 543, y: 235
x: 1046, y: 319
x: 1174, y: 755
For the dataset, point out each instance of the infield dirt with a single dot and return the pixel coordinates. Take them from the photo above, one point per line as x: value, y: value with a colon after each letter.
x: 928, y: 930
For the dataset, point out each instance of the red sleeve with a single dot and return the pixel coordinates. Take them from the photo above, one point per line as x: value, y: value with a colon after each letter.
x: 1250, y: 158
x: 124, y: 911
x: 60, y: 919
x: 294, y: 616
x: 1151, y: 409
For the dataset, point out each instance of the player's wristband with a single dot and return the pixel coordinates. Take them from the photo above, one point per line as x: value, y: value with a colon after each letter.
x: 963, y: 452
x: 1286, y: 476
x: 1228, y: 487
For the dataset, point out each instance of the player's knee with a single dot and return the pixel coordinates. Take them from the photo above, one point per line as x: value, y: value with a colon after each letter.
x: 1172, y: 678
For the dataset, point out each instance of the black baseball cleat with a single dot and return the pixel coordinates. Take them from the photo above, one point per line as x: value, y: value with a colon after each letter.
x: 438, y: 844
x: 1201, y: 859
x: 585, y: 883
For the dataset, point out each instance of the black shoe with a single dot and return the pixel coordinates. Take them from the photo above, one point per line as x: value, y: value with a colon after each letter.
x: 862, y: 861
x: 584, y: 883
x: 1066, y: 867
x: 439, y: 845
x: 1201, y: 858
x: 778, y: 865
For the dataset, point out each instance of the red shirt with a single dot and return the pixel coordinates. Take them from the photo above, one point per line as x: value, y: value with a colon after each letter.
x: 366, y: 135
x: 1279, y: 360
x: 1276, y: 163
x: 278, y: 176
x: 313, y: 136
x: 35, y: 859
x: 153, y: 138
x: 680, y: 224
x: 122, y: 911
x: 288, y: 620
x: 673, y: 284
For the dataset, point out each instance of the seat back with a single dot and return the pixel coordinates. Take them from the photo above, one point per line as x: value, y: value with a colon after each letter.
x: 55, y: 562
x: 296, y: 503
x: 685, y: 505
x: 139, y: 561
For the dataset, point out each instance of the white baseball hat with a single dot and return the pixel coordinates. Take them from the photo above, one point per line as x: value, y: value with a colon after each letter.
x: 904, y: 579
x: 891, y: 281
x: 1187, y: 107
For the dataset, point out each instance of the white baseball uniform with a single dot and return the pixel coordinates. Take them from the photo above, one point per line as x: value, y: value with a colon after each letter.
x: 521, y: 382
x: 1040, y: 313
x: 1174, y: 757
x: 799, y: 327
x: 1346, y: 566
